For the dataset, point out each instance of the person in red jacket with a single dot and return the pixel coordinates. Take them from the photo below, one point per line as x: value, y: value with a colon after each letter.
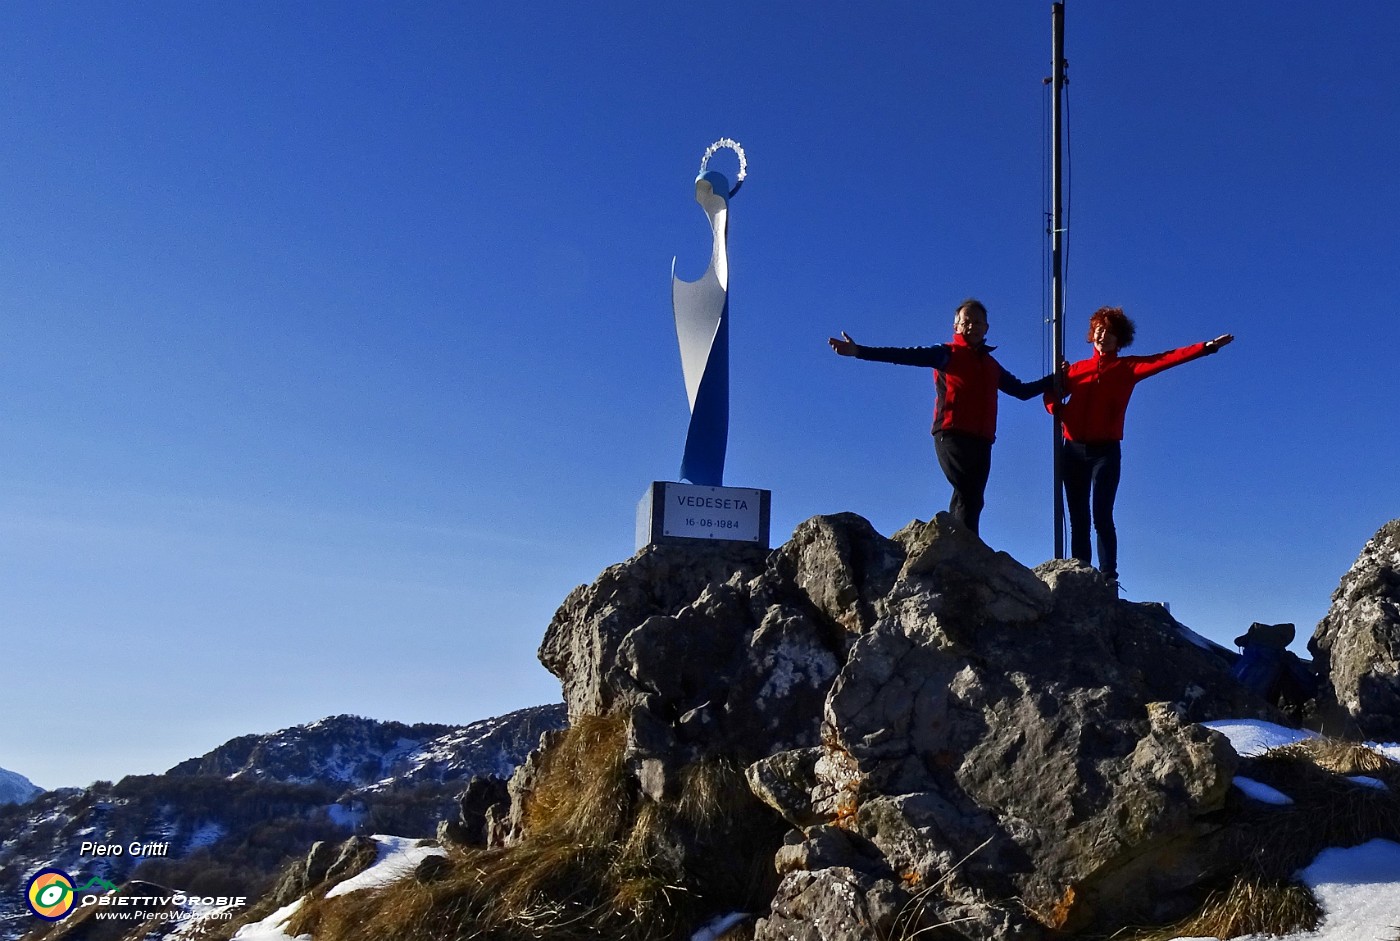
x: 966, y: 380
x: 1098, y: 389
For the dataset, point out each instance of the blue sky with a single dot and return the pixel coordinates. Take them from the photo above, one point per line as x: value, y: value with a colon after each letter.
x: 337, y: 338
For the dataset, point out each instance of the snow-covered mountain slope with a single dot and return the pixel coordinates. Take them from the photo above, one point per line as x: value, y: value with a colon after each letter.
x: 228, y: 820
x: 354, y: 752
x: 16, y: 788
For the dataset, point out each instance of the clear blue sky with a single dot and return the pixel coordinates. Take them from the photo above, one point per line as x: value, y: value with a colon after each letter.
x: 337, y: 338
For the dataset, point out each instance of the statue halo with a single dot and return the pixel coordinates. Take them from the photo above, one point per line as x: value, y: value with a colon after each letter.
x: 726, y: 143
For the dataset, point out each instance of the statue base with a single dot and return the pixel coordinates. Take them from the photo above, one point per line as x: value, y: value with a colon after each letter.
x: 686, y: 514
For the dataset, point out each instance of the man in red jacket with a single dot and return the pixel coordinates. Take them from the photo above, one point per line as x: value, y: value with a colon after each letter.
x: 1092, y: 418
x: 966, y: 380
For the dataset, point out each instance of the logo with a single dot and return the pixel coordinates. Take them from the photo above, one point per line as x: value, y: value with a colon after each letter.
x: 51, y: 895
x: 96, y: 883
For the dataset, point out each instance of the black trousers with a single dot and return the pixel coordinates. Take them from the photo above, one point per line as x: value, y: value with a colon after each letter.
x: 967, y: 463
x: 1090, y: 473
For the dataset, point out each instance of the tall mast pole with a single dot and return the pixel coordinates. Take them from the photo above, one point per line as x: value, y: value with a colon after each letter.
x: 1057, y: 231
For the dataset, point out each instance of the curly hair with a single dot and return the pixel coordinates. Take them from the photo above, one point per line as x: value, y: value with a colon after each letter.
x: 1116, y: 322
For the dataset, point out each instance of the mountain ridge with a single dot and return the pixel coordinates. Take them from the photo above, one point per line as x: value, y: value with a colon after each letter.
x: 15, y: 788
x: 226, y: 822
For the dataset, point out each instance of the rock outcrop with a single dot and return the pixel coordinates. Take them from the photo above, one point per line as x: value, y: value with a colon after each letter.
x: 1357, y: 645
x: 954, y: 738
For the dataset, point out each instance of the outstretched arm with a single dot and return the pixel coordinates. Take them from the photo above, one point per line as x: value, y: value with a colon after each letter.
x: 932, y: 356
x: 1144, y: 366
x: 844, y: 346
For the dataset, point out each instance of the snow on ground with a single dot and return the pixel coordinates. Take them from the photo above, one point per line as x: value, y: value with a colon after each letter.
x: 1365, y: 780
x: 398, y: 857
x: 347, y: 817
x: 270, y: 928
x: 1253, y: 737
x: 1204, y: 643
x: 1258, y: 790
x: 207, y: 834
x: 1359, y: 890
x: 201, y: 918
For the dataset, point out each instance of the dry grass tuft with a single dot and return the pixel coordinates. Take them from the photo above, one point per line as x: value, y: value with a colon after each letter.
x: 1248, y: 906
x: 598, y: 860
x: 1275, y: 842
x: 1340, y: 757
x: 1328, y: 809
x: 583, y: 788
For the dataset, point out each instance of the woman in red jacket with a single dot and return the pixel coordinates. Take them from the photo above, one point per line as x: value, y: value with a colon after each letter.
x: 1098, y: 389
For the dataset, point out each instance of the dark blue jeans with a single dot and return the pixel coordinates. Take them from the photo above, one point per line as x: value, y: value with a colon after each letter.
x: 1090, y: 473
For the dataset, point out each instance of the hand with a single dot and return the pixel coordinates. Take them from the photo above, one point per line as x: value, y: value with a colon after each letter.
x: 1061, y: 377
x: 1222, y: 340
x: 844, y: 346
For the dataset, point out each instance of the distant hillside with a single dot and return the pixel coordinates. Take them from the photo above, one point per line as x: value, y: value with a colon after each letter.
x: 229, y: 820
x: 358, y: 753
x: 16, y: 788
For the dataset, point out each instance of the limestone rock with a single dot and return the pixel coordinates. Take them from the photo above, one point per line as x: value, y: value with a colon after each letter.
x: 834, y: 904
x: 785, y: 782
x: 581, y: 643
x: 483, y: 794
x: 842, y: 566
x: 1357, y: 644
x: 969, y: 582
x: 299, y: 878
x: 958, y: 739
x: 356, y: 855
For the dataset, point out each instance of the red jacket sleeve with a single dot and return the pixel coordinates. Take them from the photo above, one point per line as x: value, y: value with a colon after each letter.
x: 1144, y: 366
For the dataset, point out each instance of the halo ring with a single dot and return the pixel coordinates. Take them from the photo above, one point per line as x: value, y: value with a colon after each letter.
x: 726, y: 143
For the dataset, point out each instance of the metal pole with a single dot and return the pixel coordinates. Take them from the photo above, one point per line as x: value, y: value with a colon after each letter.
x: 1057, y: 285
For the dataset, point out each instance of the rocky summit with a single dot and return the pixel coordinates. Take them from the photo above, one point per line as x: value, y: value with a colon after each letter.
x: 855, y: 737
x: 1015, y: 747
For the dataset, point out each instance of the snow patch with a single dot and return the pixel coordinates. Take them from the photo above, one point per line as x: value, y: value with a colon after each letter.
x: 1365, y: 780
x: 398, y: 857
x: 270, y: 928
x: 347, y: 817
x: 206, y: 834
x: 1253, y: 737
x: 1258, y: 790
x: 1203, y: 642
x: 1359, y: 889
